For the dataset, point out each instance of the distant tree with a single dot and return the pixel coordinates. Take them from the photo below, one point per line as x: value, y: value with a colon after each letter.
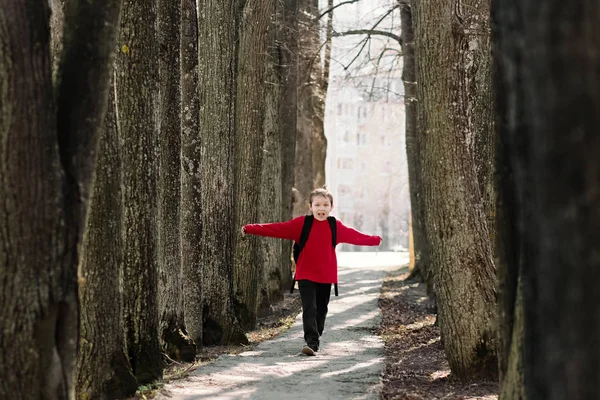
x: 137, y: 89
x: 454, y: 103
x: 422, y: 268
x: 288, y: 53
x: 313, y: 78
x: 49, y: 141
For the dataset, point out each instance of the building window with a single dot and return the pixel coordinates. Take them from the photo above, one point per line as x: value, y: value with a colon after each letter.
x: 346, y: 136
x: 345, y: 163
x: 361, y: 138
x: 361, y: 193
x: 345, y: 190
x: 339, y: 111
x: 385, y: 140
x: 358, y: 221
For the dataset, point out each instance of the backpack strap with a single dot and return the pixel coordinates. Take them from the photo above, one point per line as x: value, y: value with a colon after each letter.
x: 306, y: 227
x: 308, y: 221
x: 333, y: 225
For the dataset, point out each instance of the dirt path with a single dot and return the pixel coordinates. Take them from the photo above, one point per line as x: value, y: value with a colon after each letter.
x: 349, y: 365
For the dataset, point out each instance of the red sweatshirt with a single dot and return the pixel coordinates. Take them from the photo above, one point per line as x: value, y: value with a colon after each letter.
x: 317, y: 262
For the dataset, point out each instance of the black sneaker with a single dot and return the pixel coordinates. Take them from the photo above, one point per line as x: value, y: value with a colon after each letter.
x: 309, y: 351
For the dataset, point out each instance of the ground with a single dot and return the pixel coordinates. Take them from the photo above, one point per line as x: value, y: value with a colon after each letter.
x: 282, y: 315
x: 416, y: 368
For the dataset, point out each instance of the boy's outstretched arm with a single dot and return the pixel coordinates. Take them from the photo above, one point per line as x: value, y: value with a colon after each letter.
x: 349, y: 235
x: 281, y: 230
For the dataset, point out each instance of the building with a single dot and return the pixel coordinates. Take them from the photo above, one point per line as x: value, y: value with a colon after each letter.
x: 366, y: 165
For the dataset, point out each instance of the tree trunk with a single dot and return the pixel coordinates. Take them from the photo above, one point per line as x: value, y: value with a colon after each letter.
x: 170, y: 296
x: 319, y: 142
x: 456, y: 225
x: 509, y: 245
x: 136, y: 90
x: 49, y: 151
x: 310, y: 137
x: 217, y: 48
x: 31, y: 233
x: 191, y: 180
x: 288, y: 51
x: 57, y: 19
x: 477, y: 85
x: 413, y: 152
x: 552, y: 103
x: 103, y: 369
x: 250, y: 114
x: 271, y: 200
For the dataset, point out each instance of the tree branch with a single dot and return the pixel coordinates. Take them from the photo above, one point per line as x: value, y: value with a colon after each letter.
x: 369, y: 32
x: 336, y: 6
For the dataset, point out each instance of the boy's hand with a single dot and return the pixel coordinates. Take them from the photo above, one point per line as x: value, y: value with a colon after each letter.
x: 243, y: 231
x: 380, y: 241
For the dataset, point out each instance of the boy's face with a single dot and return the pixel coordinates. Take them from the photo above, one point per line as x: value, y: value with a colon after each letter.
x: 320, y: 207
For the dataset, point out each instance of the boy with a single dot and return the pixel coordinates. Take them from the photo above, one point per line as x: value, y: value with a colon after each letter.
x: 316, y: 268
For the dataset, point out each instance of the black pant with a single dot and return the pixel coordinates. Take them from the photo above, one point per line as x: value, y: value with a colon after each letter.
x: 315, y: 298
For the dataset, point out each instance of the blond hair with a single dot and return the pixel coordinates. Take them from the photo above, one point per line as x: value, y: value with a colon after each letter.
x: 322, y: 191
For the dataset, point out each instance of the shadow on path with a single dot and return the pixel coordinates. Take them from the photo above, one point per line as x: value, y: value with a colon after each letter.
x: 348, y: 366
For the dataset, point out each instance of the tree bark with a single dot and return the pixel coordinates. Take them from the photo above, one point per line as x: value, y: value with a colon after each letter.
x: 319, y: 142
x: 137, y: 78
x: 310, y: 137
x: 250, y: 114
x: 456, y: 224
x: 103, y: 369
x: 49, y: 151
x: 191, y: 179
x: 271, y: 200
x: 413, y: 152
x: 170, y: 297
x: 217, y: 48
x: 288, y: 51
x: 57, y: 19
x: 552, y: 107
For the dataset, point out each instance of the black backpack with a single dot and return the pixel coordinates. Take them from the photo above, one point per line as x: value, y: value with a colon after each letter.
x: 306, y: 227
